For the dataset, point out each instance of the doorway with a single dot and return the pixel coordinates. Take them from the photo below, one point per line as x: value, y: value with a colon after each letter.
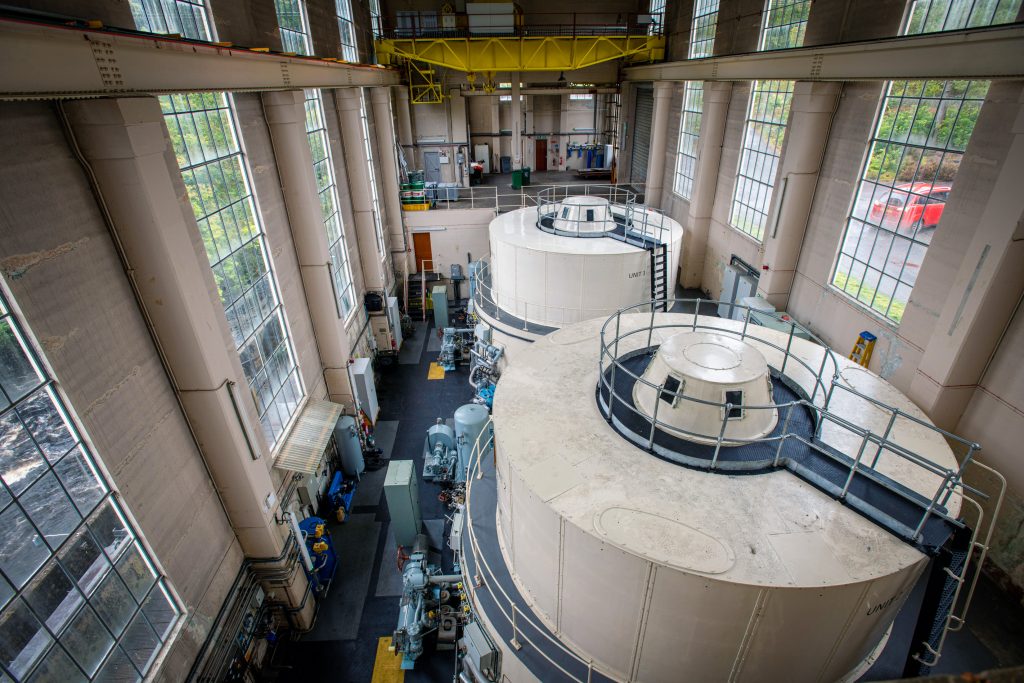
x: 432, y: 167
x: 541, y: 162
x: 421, y: 247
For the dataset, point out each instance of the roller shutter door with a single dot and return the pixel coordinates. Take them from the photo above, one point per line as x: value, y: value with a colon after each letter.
x: 644, y: 112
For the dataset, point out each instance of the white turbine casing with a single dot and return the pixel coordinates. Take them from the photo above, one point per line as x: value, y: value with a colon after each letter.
x: 661, y: 573
x: 709, y: 367
x: 584, y: 215
x: 557, y: 280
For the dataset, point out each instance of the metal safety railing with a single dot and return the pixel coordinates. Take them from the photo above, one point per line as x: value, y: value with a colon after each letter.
x: 626, y: 211
x: 433, y: 24
x: 518, y: 312
x: 502, y: 200
x: 824, y: 386
x: 486, y: 579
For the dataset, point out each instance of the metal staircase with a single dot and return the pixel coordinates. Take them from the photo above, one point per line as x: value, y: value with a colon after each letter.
x: 659, y: 275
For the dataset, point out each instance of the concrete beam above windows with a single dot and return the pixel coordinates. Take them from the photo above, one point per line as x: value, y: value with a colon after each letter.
x: 989, y: 53
x: 49, y: 61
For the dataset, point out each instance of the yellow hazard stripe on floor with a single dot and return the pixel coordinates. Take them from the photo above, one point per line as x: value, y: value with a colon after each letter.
x: 435, y: 372
x: 387, y: 667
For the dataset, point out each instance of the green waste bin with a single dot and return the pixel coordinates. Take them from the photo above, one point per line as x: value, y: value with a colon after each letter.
x: 517, y: 179
x: 526, y: 175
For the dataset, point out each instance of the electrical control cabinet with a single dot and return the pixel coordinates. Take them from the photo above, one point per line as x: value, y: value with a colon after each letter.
x: 401, y: 489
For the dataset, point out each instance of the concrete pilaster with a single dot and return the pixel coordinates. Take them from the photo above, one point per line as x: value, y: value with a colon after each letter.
x: 387, y: 161
x: 286, y: 120
x: 374, y: 263
x: 659, y: 135
x: 717, y: 96
x: 126, y: 145
x: 806, y: 139
x: 517, y: 124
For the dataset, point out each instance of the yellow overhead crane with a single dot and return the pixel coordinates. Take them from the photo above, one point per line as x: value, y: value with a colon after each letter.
x: 521, y: 53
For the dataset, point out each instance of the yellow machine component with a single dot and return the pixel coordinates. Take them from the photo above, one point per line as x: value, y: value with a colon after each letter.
x: 423, y: 86
x: 862, y: 348
x: 319, y: 531
x: 528, y: 53
x: 320, y: 547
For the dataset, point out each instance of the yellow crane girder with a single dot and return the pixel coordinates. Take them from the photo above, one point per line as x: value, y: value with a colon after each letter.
x: 527, y: 53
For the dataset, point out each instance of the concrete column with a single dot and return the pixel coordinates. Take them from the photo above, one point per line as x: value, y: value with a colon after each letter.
x: 563, y: 129
x: 989, y: 282
x: 459, y: 108
x: 285, y: 114
x: 126, y: 145
x: 659, y: 138
x: 387, y: 162
x: 404, y: 116
x: 806, y: 139
x: 717, y: 96
x: 517, y: 124
x: 374, y: 263
x: 496, y: 129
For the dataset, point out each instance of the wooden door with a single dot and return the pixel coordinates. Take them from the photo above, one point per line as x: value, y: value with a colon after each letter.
x: 541, y: 163
x: 421, y: 247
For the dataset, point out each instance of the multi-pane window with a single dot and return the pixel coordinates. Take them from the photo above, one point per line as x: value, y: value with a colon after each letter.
x: 185, y: 17
x: 80, y: 598
x: 763, y: 136
x: 782, y: 27
x: 378, y: 227
x: 579, y: 97
x: 702, y: 31
x: 702, y: 44
x: 922, y: 130
x: 347, y: 30
x: 291, y: 20
x: 657, y: 13
x: 203, y: 130
x: 375, y: 20
x: 323, y: 169
x: 784, y: 24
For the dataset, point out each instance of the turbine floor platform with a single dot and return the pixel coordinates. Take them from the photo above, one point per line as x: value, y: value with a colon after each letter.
x: 882, y: 500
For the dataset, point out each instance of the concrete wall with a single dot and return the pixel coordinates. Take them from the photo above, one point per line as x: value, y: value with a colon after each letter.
x: 76, y: 300
x: 455, y: 234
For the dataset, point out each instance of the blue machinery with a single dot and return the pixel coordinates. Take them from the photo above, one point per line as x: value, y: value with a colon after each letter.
x: 430, y: 602
x: 318, y: 550
x: 446, y: 450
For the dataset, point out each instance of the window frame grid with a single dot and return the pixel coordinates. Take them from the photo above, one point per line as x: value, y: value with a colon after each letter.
x: 292, y: 377
x: 344, y: 283
x: 779, y: 19
x: 689, y: 137
x: 346, y: 27
x: 1003, y: 12
x: 882, y: 190
x: 107, y: 499
x: 756, y: 116
x: 297, y: 40
x: 152, y: 16
x: 702, y: 25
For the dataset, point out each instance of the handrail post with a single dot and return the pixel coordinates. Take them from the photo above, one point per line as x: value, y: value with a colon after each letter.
x: 782, y: 436
x: 856, y: 463
x: 721, y: 433
x: 696, y: 312
x: 654, y: 418
x: 885, y: 438
x: 792, y: 329
x: 590, y: 670
x: 821, y: 371
x: 525, y: 323
x: 650, y: 330
x: 931, y: 507
x: 515, y: 631
x: 746, y: 322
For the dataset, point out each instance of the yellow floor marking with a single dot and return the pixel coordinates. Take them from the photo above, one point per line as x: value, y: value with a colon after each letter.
x: 436, y: 372
x: 387, y: 667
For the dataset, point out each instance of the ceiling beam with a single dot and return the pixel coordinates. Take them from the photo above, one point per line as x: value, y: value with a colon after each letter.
x: 46, y: 61
x: 989, y: 53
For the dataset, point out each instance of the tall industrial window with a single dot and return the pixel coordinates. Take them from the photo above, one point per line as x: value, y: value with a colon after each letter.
x: 784, y: 24
x: 372, y: 173
x: 291, y: 19
x: 782, y: 27
x: 922, y: 130
x: 185, y: 17
x: 203, y: 130
x: 702, y: 31
x: 763, y: 136
x: 347, y: 30
x: 657, y: 12
x: 323, y: 169
x: 375, y: 20
x: 702, y: 44
x: 80, y: 598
